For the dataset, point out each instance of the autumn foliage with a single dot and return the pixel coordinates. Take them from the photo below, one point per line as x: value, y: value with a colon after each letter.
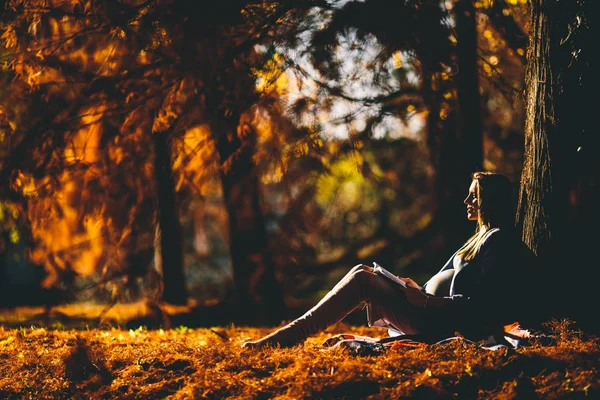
x: 246, y: 156
x: 209, y: 363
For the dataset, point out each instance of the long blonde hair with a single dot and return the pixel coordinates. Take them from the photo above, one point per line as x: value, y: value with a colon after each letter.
x: 496, y: 210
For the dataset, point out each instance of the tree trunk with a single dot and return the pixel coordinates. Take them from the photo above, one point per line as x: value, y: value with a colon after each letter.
x: 171, y: 248
x: 455, y: 179
x: 461, y: 147
x: 457, y: 148
x: 560, y: 171
x: 469, y: 111
x: 258, y: 297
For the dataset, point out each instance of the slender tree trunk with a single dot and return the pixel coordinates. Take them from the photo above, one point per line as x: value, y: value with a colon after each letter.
x: 455, y: 179
x: 559, y: 177
x: 258, y: 295
x: 459, y: 146
x: 457, y: 149
x: 469, y: 115
x: 171, y: 249
x: 433, y: 117
x: 434, y: 133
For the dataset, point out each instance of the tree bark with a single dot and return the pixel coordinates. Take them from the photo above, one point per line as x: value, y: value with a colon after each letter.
x: 537, y: 189
x: 171, y: 248
x: 559, y: 178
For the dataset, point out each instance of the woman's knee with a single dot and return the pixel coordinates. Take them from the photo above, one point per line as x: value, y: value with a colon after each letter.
x: 375, y: 288
x: 364, y: 279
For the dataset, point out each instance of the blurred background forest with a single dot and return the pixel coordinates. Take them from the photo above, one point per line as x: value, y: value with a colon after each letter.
x: 249, y: 154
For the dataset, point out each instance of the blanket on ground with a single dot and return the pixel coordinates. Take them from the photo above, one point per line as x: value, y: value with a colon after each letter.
x: 512, y: 337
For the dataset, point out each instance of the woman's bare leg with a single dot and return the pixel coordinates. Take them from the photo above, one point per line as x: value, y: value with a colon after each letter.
x: 358, y: 286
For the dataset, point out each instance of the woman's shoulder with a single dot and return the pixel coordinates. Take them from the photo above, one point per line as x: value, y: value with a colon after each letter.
x: 501, y: 237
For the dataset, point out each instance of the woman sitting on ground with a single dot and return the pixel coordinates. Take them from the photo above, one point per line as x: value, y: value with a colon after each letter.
x: 472, y: 293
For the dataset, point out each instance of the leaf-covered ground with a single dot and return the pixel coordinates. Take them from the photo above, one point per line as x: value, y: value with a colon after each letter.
x: 185, y: 363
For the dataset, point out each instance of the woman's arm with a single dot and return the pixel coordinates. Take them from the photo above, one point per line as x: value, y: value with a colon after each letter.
x: 494, y: 263
x: 421, y: 299
x: 410, y: 283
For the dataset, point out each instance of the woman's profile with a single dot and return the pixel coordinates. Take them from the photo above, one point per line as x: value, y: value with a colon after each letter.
x: 471, y: 293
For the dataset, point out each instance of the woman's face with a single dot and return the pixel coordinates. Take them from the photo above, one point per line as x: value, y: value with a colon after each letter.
x: 472, y: 202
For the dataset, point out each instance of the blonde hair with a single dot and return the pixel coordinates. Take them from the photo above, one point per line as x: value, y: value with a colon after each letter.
x: 496, y: 210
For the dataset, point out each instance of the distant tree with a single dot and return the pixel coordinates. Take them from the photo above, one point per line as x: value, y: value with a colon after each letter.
x: 135, y: 78
x: 462, y: 149
x: 376, y: 65
x: 419, y: 61
x: 73, y: 127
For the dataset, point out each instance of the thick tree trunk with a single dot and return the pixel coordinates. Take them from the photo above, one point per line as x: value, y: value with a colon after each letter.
x: 537, y: 186
x: 171, y: 248
x: 258, y: 297
x: 559, y: 178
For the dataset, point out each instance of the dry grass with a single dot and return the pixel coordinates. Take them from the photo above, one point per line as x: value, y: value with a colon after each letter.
x: 187, y: 363
x: 82, y: 314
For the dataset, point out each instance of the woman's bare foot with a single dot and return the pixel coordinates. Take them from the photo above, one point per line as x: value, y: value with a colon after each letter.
x: 285, y: 337
x: 262, y: 343
x: 250, y: 345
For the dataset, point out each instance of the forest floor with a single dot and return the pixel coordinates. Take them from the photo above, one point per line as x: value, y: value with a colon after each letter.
x: 58, y: 362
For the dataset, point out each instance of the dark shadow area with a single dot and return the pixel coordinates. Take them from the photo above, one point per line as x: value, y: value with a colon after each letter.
x: 345, y: 390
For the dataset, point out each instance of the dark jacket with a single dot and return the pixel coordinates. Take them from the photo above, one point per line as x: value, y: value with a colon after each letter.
x: 485, y: 291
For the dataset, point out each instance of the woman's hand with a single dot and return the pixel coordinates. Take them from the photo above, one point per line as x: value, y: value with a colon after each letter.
x: 416, y: 297
x: 410, y: 283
